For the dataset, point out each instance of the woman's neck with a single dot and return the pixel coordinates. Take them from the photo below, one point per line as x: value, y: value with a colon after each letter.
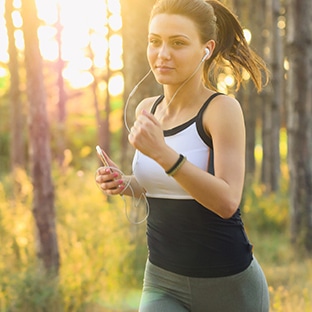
x: 180, y: 106
x: 177, y: 96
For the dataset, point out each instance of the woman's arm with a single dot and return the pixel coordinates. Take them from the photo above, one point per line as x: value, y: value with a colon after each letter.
x: 221, y: 192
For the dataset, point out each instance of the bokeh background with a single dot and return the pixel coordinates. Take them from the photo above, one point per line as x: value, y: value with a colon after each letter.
x: 66, y: 70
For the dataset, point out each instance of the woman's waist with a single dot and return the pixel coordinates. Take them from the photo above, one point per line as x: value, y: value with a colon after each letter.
x: 198, y: 259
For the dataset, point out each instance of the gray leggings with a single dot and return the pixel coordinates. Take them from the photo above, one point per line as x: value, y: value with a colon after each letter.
x: 164, y: 291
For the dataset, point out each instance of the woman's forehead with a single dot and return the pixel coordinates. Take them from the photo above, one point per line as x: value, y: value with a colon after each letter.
x: 173, y: 25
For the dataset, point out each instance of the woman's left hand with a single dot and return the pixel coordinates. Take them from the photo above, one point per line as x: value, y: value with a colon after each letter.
x: 147, y: 136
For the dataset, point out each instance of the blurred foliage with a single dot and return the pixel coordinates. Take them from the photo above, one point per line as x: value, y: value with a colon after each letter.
x: 101, y: 257
x: 268, y: 211
x: 266, y: 216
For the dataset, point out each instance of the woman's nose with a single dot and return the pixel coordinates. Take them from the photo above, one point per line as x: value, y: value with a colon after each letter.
x: 164, y: 52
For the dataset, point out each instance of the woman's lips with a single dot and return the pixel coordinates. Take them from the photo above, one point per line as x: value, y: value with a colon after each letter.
x: 164, y: 69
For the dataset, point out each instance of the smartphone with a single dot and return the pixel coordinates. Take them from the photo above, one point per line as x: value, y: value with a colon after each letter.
x: 102, y: 157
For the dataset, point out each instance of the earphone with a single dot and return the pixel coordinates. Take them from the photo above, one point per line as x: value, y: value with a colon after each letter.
x: 207, y: 52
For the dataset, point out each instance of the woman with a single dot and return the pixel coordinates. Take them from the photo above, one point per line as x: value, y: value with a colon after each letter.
x: 190, y: 162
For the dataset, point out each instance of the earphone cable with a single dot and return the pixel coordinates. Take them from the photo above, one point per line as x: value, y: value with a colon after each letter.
x: 130, y: 96
x: 136, y: 201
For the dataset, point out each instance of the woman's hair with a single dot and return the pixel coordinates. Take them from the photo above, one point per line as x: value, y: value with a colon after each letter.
x: 215, y: 22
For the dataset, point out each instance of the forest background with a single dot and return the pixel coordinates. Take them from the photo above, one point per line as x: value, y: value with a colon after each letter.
x: 66, y: 70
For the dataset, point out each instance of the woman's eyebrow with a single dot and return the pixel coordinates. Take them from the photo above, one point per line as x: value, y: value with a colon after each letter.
x: 171, y: 37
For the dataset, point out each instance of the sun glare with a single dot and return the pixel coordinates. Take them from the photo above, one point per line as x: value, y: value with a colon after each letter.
x: 116, y: 85
x: 17, y: 19
x: 85, y: 29
x: 247, y: 35
x: 19, y: 39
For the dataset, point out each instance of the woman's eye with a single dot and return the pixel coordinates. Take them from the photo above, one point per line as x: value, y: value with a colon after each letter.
x: 154, y: 42
x: 178, y: 43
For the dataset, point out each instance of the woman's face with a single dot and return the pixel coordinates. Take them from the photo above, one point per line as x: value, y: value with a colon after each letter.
x: 174, y: 48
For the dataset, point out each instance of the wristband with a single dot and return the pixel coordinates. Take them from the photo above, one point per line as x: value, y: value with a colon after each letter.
x: 177, y: 165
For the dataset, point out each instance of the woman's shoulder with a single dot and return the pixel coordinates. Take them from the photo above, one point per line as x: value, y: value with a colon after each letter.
x: 223, y: 99
x: 222, y: 103
x: 223, y: 111
x: 146, y: 104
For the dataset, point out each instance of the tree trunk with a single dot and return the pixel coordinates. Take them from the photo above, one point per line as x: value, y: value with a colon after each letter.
x: 62, y: 97
x: 273, y: 103
x: 101, y: 115
x: 247, y: 95
x: 43, y: 202
x: 105, y: 135
x: 17, y: 111
x: 277, y: 96
x: 299, y: 120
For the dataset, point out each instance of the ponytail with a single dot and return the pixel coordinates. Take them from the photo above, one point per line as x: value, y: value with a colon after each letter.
x: 233, y: 50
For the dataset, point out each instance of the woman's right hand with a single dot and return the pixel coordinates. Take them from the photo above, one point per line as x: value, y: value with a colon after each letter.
x: 109, y: 178
x: 109, y: 181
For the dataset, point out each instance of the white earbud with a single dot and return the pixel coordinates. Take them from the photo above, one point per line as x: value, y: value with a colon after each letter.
x: 207, y: 52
